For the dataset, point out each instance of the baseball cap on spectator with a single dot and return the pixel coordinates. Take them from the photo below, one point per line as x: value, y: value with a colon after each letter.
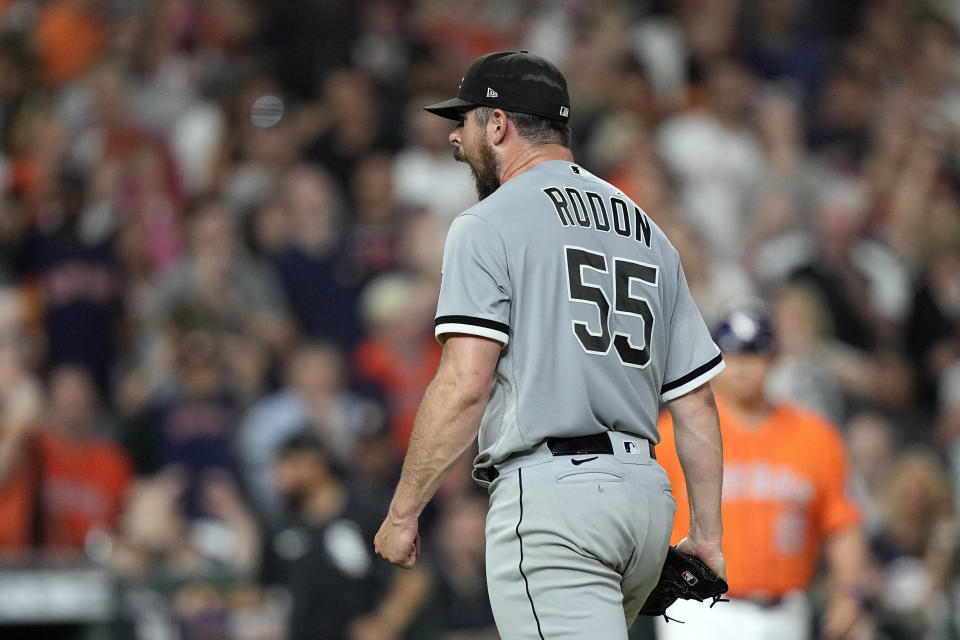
x: 513, y: 81
x: 745, y: 328
x: 306, y: 441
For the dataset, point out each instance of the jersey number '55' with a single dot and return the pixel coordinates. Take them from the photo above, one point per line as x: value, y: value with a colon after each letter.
x: 625, y: 273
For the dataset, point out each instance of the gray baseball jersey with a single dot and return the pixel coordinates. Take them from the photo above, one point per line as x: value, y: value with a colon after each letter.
x: 588, y: 298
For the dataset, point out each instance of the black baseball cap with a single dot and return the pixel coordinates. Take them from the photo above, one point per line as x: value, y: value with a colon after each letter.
x: 512, y: 81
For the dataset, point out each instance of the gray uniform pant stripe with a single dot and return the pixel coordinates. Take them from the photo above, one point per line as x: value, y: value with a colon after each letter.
x: 526, y: 582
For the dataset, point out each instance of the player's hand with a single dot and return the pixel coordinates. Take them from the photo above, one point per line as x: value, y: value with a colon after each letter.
x: 711, y: 554
x: 398, y: 541
x: 841, y: 616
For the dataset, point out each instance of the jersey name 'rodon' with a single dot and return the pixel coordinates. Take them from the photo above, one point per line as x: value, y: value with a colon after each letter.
x: 571, y: 205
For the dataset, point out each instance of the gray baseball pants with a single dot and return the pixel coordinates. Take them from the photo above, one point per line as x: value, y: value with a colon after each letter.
x: 574, y: 549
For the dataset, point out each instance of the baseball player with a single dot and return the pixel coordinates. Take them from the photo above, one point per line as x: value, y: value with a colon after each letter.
x: 565, y: 319
x: 783, y: 504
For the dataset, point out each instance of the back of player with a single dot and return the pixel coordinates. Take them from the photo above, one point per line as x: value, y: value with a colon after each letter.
x: 588, y: 295
x: 589, y: 300
x: 594, y: 326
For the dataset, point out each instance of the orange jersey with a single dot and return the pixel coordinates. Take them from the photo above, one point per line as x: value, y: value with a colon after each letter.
x: 783, y: 496
x: 404, y: 376
x: 17, y: 493
x: 83, y: 485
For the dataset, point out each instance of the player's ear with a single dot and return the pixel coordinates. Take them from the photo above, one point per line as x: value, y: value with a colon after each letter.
x: 497, y: 126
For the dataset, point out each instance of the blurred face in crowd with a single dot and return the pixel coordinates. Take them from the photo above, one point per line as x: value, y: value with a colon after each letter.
x: 214, y: 235
x: 424, y: 128
x: 316, y: 371
x: 729, y: 89
x: 73, y: 401
x: 348, y: 95
x: 293, y: 474
x: 472, y: 146
x: 312, y: 203
x: 801, y: 319
x: 870, y: 446
x: 462, y: 530
x: 919, y: 489
x: 297, y: 475
x: 199, y: 361
x: 743, y: 380
x: 372, y: 190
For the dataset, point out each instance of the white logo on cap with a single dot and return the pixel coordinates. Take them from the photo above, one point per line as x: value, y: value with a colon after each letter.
x: 491, y: 93
x: 564, y: 111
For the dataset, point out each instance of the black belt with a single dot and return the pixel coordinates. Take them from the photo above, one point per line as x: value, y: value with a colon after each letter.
x: 598, y: 444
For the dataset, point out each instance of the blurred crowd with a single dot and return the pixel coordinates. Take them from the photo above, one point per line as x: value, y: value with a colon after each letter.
x: 221, y: 225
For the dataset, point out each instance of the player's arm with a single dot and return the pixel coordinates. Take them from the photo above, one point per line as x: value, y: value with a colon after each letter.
x: 446, y: 424
x: 848, y: 560
x: 696, y: 429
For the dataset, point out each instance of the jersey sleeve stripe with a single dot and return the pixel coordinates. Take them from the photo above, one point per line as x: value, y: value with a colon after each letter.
x: 689, y: 382
x: 472, y: 326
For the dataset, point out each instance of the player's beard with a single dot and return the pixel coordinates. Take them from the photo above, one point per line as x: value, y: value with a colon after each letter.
x: 485, y: 167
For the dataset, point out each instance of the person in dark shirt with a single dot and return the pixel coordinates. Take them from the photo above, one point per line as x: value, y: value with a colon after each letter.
x: 79, y: 283
x: 323, y: 554
x: 191, y: 420
x: 317, y: 266
x: 460, y: 600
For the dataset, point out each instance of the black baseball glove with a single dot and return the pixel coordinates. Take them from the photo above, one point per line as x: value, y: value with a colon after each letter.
x: 683, y: 576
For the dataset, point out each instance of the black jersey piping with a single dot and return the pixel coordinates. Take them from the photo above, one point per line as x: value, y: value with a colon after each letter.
x: 693, y: 375
x: 477, y: 322
x: 520, y: 539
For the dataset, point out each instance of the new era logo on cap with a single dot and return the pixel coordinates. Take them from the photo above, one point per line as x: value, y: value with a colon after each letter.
x: 491, y: 93
x: 564, y: 112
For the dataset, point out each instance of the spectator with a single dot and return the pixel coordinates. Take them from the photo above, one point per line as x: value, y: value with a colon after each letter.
x: 461, y: 594
x: 378, y: 218
x: 156, y: 537
x: 783, y: 44
x: 918, y: 544
x: 69, y: 35
x: 221, y: 280
x: 425, y: 173
x: 820, y: 371
x: 353, y: 128
x: 314, y: 400
x: 933, y: 328
x: 323, y: 555
x: 871, y: 444
x: 715, y: 158
x: 78, y: 281
x: 21, y: 402
x: 191, y: 420
x: 401, y: 354
x: 85, y: 476
x: 317, y: 265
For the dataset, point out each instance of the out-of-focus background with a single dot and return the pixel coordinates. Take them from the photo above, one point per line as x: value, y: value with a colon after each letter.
x: 221, y: 223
